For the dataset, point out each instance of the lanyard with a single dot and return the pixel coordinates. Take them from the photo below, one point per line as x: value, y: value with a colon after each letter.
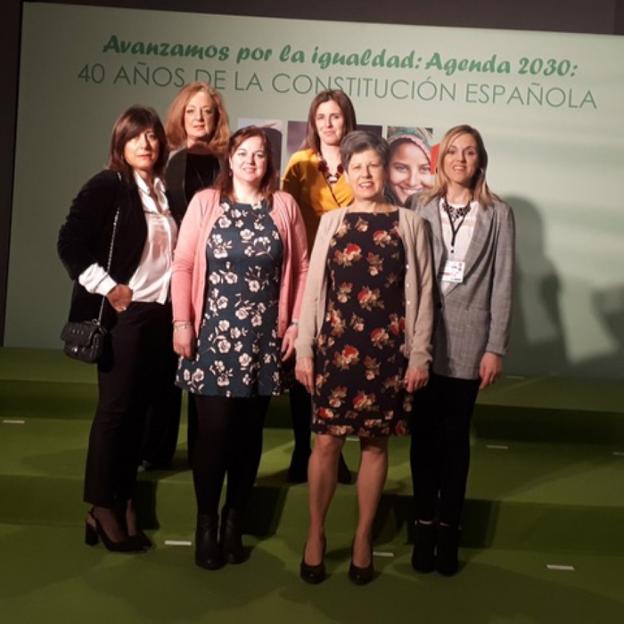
x: 455, y: 214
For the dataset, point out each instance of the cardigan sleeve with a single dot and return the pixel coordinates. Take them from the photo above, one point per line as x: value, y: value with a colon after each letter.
x: 299, y: 251
x: 502, y: 283
x: 184, y: 260
x: 312, y: 292
x: 421, y: 350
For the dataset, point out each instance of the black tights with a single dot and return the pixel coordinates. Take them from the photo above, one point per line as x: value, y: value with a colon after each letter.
x: 228, y: 441
x: 440, y: 447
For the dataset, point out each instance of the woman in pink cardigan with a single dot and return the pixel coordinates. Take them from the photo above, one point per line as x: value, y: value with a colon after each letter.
x: 238, y: 276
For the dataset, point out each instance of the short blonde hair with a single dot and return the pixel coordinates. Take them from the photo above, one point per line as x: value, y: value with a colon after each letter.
x: 174, y: 124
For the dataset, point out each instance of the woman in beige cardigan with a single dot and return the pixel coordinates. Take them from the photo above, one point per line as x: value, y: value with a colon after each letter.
x: 364, y: 342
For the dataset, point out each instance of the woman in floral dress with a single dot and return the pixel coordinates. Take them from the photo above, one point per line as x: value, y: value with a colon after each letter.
x: 364, y: 342
x: 238, y: 276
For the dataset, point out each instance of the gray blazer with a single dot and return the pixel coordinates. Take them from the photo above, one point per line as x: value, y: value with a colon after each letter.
x: 473, y: 317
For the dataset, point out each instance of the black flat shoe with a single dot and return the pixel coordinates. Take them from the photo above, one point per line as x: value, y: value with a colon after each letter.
x: 313, y: 574
x: 94, y: 533
x: 423, y: 559
x: 208, y: 552
x: 362, y: 576
x: 231, y: 537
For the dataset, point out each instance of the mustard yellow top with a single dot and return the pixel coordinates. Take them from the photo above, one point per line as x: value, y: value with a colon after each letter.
x: 308, y: 185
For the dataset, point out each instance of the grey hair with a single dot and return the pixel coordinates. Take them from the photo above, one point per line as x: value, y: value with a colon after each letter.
x: 360, y: 141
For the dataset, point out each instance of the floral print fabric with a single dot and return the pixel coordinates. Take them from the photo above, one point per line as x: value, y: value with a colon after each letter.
x: 359, y: 367
x: 238, y: 350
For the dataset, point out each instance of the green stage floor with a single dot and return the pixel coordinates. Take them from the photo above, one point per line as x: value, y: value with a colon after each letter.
x: 546, y: 488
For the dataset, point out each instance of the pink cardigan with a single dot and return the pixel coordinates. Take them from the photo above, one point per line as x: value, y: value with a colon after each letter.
x: 189, y: 264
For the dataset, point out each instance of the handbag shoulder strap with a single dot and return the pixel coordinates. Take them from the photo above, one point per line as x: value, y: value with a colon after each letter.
x: 110, y: 252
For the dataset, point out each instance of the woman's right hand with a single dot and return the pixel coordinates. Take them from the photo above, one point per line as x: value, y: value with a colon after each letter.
x: 184, y: 339
x: 304, y: 372
x: 120, y: 297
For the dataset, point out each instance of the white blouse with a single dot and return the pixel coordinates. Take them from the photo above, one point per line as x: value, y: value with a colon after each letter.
x: 463, y: 235
x: 150, y: 281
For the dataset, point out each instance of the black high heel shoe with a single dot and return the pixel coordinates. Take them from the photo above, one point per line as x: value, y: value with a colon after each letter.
x: 94, y: 533
x: 313, y: 574
x: 362, y: 576
x: 145, y: 541
x: 140, y: 536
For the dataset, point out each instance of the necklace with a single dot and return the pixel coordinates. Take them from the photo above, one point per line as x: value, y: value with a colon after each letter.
x: 332, y: 178
x: 456, y: 212
x: 455, y: 215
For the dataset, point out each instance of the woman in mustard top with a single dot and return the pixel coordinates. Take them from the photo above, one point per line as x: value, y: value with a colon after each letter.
x: 314, y: 177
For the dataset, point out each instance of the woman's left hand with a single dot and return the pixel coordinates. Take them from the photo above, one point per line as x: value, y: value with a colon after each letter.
x: 288, y: 342
x: 416, y: 378
x: 490, y: 368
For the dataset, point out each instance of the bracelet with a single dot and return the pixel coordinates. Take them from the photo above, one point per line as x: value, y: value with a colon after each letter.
x: 181, y: 325
x: 295, y: 323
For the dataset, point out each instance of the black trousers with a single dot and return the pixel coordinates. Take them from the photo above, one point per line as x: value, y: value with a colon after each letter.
x: 136, y: 370
x: 440, y: 447
x: 162, y: 425
x: 301, y: 417
x: 228, y: 441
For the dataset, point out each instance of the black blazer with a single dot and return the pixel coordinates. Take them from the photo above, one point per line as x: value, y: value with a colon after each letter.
x: 175, y: 180
x: 85, y: 238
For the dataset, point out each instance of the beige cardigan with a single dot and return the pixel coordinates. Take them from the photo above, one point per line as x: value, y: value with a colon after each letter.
x: 418, y: 287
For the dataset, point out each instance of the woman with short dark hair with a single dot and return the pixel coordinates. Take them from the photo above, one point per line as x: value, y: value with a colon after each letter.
x: 364, y: 342
x: 126, y: 201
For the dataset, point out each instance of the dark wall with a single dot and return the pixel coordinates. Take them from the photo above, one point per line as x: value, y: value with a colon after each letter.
x: 578, y: 16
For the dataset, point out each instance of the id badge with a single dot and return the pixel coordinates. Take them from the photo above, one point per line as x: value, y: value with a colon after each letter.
x: 453, y: 272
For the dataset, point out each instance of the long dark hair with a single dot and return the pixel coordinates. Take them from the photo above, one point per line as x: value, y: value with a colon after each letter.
x: 348, y: 112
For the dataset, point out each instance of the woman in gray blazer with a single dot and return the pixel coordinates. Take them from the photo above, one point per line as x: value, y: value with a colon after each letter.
x: 472, y: 233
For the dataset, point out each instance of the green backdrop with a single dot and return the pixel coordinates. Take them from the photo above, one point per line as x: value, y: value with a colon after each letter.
x: 550, y: 107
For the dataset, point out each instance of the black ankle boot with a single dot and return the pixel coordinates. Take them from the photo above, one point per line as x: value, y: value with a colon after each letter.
x: 424, y: 544
x: 447, y: 562
x: 231, y: 536
x: 207, y: 550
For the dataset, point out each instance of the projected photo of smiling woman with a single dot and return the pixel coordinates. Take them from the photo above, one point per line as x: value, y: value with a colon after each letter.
x: 409, y: 167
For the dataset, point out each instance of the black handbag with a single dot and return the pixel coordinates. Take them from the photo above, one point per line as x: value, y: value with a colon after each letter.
x: 84, y: 340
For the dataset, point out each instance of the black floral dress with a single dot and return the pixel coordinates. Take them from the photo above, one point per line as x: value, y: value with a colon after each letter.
x: 238, y: 350
x: 359, y: 366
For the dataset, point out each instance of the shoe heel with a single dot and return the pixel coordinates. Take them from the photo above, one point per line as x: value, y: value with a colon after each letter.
x: 91, y: 536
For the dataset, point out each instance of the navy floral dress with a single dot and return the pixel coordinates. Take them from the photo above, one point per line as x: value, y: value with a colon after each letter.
x: 238, y: 350
x: 359, y: 366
